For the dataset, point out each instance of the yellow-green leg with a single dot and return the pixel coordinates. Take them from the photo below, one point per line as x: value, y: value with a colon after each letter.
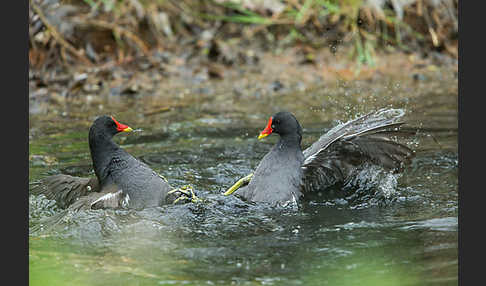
x: 237, y: 185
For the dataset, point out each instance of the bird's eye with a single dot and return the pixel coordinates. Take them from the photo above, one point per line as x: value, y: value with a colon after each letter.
x: 273, y: 126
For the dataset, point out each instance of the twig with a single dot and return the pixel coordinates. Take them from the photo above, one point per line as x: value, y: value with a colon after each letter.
x: 116, y: 29
x: 165, y: 109
x: 158, y: 110
x: 57, y: 36
x: 433, y: 35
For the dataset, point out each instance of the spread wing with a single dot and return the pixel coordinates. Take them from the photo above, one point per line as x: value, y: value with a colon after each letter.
x: 76, y: 193
x: 333, y: 158
x: 65, y: 189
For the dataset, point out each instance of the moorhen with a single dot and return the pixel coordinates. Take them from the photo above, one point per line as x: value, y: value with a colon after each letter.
x: 121, y: 179
x: 286, y: 174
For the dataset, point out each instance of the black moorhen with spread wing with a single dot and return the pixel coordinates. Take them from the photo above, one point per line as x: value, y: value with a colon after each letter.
x: 288, y: 174
x: 121, y: 179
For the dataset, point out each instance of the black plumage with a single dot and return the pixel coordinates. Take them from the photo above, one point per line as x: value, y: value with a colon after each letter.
x: 278, y: 176
x: 286, y: 173
x: 121, y: 179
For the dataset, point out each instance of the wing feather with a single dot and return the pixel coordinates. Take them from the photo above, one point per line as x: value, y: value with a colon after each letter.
x: 337, y: 154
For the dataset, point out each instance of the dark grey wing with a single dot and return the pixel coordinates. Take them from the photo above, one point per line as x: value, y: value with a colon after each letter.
x: 336, y: 155
x: 65, y: 189
x: 371, y: 122
x: 380, y: 149
x: 110, y: 197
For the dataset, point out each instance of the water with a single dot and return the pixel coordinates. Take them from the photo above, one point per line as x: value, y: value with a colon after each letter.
x: 405, y: 233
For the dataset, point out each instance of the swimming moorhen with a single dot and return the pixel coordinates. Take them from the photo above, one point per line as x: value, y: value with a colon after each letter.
x: 288, y: 174
x: 121, y: 179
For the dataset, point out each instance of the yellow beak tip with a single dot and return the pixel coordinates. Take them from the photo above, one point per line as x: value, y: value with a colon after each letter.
x: 261, y: 136
x: 128, y: 129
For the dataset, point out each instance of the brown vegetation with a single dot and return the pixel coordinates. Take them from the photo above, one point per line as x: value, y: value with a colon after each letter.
x: 108, y: 32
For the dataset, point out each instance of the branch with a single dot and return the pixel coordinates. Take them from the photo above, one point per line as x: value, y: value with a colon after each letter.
x: 116, y: 29
x: 57, y: 36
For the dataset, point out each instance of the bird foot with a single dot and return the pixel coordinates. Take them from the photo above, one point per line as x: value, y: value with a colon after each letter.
x: 184, y: 193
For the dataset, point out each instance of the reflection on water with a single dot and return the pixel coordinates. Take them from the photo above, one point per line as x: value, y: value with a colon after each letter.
x: 410, y: 238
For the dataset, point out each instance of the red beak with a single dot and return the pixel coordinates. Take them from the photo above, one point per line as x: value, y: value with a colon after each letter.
x: 267, y: 131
